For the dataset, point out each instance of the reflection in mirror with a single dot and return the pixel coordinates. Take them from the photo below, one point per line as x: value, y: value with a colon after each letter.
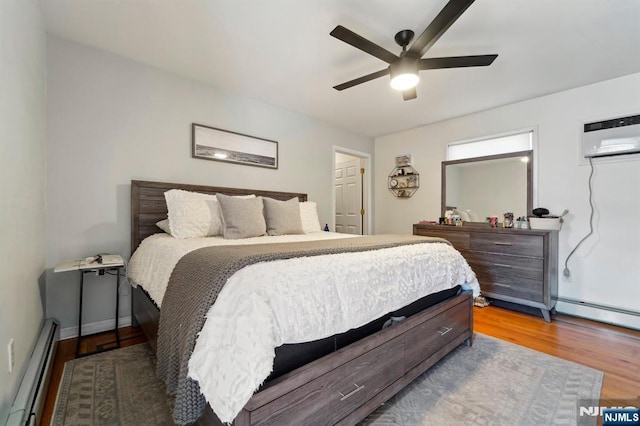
x: 488, y: 186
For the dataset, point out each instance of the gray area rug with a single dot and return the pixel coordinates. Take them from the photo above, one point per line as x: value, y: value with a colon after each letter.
x: 492, y: 383
x: 118, y: 387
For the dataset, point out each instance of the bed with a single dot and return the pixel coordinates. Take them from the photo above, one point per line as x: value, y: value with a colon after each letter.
x: 339, y: 378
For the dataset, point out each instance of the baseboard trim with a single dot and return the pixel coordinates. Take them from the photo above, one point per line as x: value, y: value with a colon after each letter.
x: 619, y: 318
x: 93, y: 327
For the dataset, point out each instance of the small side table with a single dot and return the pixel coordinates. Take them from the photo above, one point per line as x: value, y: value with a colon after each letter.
x: 96, y: 264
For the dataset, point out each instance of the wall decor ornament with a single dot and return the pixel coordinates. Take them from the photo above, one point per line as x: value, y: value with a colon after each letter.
x: 210, y: 143
x: 404, y: 181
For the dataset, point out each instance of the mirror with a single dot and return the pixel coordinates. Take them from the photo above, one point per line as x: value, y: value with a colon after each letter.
x: 488, y: 186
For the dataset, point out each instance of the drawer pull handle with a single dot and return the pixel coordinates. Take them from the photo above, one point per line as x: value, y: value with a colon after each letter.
x: 444, y: 330
x: 501, y: 285
x: 502, y: 265
x: 357, y: 389
x: 498, y: 243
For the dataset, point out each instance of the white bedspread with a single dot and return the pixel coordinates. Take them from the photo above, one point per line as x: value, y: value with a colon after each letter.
x: 265, y: 305
x: 152, y: 263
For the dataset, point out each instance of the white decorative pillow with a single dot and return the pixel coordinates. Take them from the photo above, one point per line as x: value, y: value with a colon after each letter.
x: 309, y: 217
x: 193, y: 214
x: 164, y: 225
x: 282, y: 217
x: 242, y: 218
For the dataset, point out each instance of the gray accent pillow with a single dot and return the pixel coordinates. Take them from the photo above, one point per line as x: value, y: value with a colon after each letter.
x: 283, y: 217
x: 241, y: 218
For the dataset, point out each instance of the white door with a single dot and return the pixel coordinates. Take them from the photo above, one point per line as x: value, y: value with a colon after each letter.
x: 348, y: 197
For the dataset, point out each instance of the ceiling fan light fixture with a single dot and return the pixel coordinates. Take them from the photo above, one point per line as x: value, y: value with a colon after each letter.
x: 404, y: 74
x: 404, y: 82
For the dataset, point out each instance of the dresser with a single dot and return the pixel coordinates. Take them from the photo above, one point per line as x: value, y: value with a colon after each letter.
x: 515, y: 265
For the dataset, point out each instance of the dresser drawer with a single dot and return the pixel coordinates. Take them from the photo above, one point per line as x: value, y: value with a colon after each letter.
x: 460, y: 240
x: 334, y: 395
x: 514, y: 244
x: 504, y: 267
x: 513, y: 276
x: 424, y: 340
x: 495, y: 284
x: 520, y: 289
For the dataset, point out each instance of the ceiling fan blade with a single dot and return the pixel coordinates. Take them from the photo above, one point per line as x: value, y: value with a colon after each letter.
x: 447, y: 16
x: 407, y: 95
x: 359, y: 42
x: 362, y: 79
x: 456, y: 62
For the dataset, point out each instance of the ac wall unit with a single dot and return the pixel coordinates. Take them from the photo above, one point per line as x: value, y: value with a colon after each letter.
x: 617, y: 136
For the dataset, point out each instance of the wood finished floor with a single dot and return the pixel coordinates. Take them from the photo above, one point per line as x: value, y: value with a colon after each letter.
x: 612, y: 350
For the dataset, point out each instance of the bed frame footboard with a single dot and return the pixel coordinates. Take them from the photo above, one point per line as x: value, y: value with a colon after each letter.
x: 345, y: 386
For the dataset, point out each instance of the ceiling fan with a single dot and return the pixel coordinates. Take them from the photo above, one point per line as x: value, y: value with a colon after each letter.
x: 404, y: 68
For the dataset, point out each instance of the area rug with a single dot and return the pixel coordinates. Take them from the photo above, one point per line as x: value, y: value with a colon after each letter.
x: 118, y: 387
x: 492, y: 383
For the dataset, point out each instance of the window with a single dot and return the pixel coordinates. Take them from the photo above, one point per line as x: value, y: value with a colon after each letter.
x: 520, y: 141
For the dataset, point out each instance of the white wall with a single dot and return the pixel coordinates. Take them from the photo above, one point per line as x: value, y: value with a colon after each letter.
x: 606, y: 268
x: 22, y: 186
x: 112, y: 120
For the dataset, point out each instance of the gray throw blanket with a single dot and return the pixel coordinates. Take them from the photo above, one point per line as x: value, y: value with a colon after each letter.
x: 194, y: 286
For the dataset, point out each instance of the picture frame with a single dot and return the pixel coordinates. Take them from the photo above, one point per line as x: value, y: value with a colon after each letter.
x: 211, y: 143
x: 403, y: 160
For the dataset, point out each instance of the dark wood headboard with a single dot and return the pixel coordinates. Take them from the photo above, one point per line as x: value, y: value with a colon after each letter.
x: 148, y: 205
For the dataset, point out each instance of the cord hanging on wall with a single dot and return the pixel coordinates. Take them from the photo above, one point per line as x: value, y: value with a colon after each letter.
x: 567, y: 272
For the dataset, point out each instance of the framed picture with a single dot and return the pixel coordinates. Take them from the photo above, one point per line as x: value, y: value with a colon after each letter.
x: 209, y: 143
x: 403, y: 160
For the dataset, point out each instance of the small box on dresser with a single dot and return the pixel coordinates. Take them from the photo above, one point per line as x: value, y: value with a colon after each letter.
x: 514, y: 265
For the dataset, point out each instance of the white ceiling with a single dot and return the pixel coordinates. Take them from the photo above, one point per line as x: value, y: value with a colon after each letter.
x: 280, y: 51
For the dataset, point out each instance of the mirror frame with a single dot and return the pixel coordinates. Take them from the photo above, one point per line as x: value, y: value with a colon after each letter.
x: 529, y: 153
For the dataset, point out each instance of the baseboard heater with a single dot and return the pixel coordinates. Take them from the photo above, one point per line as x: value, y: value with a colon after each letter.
x: 597, y: 306
x: 32, y: 393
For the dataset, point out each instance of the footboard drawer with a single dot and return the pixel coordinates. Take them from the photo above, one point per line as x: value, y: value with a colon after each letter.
x: 336, y: 394
x: 425, y: 339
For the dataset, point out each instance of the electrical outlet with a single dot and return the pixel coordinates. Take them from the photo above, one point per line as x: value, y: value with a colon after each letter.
x: 11, y: 357
x: 566, y: 275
